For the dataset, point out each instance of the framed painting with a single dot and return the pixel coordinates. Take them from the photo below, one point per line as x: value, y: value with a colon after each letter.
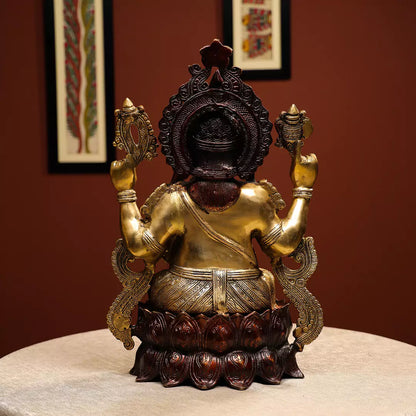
x: 259, y: 33
x: 80, y: 91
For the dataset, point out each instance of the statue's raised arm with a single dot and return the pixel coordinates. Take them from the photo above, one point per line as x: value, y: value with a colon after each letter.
x: 285, y: 236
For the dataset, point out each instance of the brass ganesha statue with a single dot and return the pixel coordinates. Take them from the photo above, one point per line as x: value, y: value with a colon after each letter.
x: 213, y: 313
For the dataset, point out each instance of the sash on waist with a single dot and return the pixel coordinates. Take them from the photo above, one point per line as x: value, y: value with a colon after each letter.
x: 219, y: 278
x: 207, y: 274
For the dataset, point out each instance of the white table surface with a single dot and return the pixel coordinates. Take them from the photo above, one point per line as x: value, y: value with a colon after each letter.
x: 346, y: 373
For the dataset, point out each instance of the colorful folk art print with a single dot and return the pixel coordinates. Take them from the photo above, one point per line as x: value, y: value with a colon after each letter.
x: 79, y: 51
x: 258, y: 19
x: 258, y: 45
x: 257, y: 29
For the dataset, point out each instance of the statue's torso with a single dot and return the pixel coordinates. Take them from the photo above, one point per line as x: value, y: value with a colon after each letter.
x: 239, y: 223
x: 214, y: 247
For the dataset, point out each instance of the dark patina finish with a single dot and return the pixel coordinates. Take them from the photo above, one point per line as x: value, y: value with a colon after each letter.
x: 205, y: 349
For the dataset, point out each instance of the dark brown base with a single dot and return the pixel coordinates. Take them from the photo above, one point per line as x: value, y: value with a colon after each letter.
x: 205, y: 349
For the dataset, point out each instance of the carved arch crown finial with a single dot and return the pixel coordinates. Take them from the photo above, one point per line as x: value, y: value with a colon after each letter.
x: 216, y: 54
x: 225, y: 100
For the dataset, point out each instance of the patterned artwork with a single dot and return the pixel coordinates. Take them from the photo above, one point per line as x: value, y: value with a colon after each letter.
x: 258, y: 19
x: 72, y: 70
x: 256, y: 29
x: 89, y: 116
x: 79, y: 33
x: 259, y: 33
x: 257, y: 45
x: 80, y: 83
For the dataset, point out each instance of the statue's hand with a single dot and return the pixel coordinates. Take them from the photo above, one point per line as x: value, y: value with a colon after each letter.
x: 304, y: 169
x: 123, y: 173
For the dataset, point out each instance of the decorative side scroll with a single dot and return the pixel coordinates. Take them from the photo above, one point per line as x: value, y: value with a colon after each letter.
x: 135, y: 286
x: 310, y: 321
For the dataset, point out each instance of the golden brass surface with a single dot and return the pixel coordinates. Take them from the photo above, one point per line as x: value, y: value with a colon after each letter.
x: 274, y: 195
x: 130, y: 117
x: 129, y: 195
x: 212, y: 264
x: 293, y: 126
x: 135, y: 286
x: 304, y: 169
x: 310, y: 320
x: 211, y: 240
x: 123, y: 175
x: 212, y: 290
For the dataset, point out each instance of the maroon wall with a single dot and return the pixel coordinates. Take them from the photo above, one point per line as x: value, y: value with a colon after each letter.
x: 353, y: 66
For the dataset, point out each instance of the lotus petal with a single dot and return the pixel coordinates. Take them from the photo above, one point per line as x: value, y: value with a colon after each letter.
x: 185, y: 333
x: 146, y: 366
x: 205, y: 370
x: 174, y: 368
x: 220, y: 334
x: 239, y: 369
x: 253, y: 332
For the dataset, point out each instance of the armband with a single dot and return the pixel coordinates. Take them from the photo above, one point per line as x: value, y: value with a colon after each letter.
x: 152, y: 244
x: 271, y: 237
x: 302, y: 192
x: 129, y: 195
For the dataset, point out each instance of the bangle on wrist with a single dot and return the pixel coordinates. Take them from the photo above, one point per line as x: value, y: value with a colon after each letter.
x: 129, y: 195
x: 302, y: 192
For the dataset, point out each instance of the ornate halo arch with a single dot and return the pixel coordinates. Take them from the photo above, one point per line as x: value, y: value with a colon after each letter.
x: 225, y: 90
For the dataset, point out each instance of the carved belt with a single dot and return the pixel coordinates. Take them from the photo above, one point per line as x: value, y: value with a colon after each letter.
x: 219, y: 278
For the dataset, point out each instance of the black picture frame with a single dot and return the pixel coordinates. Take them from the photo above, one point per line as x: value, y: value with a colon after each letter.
x: 282, y: 72
x: 54, y: 165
